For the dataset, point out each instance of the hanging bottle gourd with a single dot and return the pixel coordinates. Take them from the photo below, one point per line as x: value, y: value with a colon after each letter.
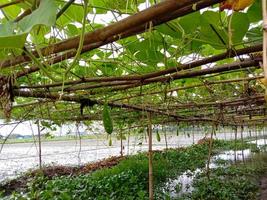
x: 107, y: 121
x: 110, y: 141
x: 158, y: 136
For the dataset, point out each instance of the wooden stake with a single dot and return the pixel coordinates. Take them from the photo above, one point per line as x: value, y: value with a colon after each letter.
x: 150, y: 154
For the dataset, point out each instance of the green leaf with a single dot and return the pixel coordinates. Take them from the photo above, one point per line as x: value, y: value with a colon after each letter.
x: 255, y: 12
x: 255, y: 35
x: 72, y: 30
x: 121, y: 5
x: 239, y: 26
x: 169, y: 29
x: 147, y: 51
x: 217, y: 34
x: 7, y: 29
x: 99, y: 6
x: 44, y: 15
x: 13, y: 41
x: 190, y: 22
x: 73, y: 14
x: 12, y: 11
x: 212, y: 32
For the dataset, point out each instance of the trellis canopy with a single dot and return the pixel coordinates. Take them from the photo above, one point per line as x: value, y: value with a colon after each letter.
x: 183, y: 61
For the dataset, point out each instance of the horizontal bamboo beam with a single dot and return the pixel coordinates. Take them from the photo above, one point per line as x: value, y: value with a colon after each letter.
x: 111, y: 31
x: 190, y: 65
x: 93, y: 45
x: 176, y: 89
x: 240, y: 101
x: 78, y: 99
x: 189, y: 74
x: 10, y: 3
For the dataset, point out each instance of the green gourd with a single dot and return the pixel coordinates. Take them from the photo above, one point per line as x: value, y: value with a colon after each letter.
x: 158, y: 136
x: 110, y: 142
x: 107, y: 121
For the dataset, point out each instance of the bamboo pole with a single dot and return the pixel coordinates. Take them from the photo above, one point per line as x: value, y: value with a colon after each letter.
x: 128, y: 143
x: 39, y: 143
x: 166, y: 140
x: 121, y: 143
x: 235, y: 142
x: 10, y: 3
x: 264, y: 139
x: 264, y: 50
x: 213, y: 131
x: 242, y: 140
x: 193, y: 64
x: 132, y: 25
x: 150, y: 154
x: 193, y: 134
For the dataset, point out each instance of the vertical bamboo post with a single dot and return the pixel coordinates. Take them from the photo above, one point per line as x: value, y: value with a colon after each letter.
x: 97, y: 143
x: 80, y: 142
x: 235, y: 141
x: 210, y: 149
x: 242, y: 140
x: 40, y: 146
x: 249, y: 127
x: 224, y: 132
x: 264, y: 48
x: 121, y: 143
x: 150, y: 154
x: 193, y: 134
x: 128, y: 143
x: 256, y: 135
x: 264, y: 139
x: 166, y: 140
